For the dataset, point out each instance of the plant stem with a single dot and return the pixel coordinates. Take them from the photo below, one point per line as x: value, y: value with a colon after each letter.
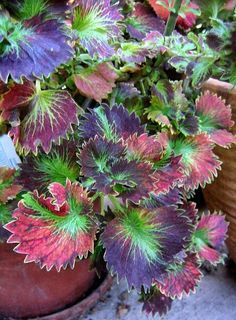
x: 170, y: 26
x: 38, y: 86
x: 87, y: 102
x: 142, y: 88
x: 95, y: 196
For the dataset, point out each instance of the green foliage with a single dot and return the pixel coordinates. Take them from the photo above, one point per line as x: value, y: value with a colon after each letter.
x: 56, y: 167
x: 31, y: 8
x: 70, y: 223
x: 5, y: 214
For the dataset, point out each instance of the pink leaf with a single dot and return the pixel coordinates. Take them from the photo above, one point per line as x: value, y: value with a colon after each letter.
x: 96, y: 82
x: 50, y: 235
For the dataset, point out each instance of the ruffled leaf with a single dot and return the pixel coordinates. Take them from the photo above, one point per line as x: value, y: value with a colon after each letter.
x: 8, y: 188
x: 105, y: 162
x: 132, y: 52
x: 96, y: 24
x: 141, y: 243
x: 199, y: 163
x: 190, y: 209
x: 138, y: 52
x: 137, y: 180
x: 168, y: 176
x: 173, y: 197
x: 96, y: 82
x: 144, y: 147
x: 31, y: 49
x: 53, y: 232
x: 142, y: 21
x: 154, y: 302
x: 215, y: 117
x: 187, y: 14
x: 44, y: 116
x: 113, y: 123
x: 181, y: 278
x: 209, y: 237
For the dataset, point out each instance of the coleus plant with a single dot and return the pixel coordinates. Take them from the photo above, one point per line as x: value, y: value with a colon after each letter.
x: 112, y: 147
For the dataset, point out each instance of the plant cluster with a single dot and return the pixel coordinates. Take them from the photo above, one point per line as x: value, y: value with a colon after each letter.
x: 113, y: 141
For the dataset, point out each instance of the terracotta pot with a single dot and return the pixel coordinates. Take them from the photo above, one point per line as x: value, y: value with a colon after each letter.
x: 26, y: 291
x: 221, y: 194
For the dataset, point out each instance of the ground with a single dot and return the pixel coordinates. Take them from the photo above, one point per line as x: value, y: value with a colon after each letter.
x: 215, y: 299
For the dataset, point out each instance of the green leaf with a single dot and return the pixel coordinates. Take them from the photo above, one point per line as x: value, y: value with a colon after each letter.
x: 31, y: 8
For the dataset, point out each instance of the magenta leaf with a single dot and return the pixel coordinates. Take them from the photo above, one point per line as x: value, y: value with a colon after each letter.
x: 96, y: 82
x: 168, y: 176
x: 140, y: 244
x: 54, y: 231
x: 181, y: 278
x: 96, y: 25
x: 215, y: 118
x: 32, y: 49
x: 45, y: 116
x: 209, y: 237
x: 144, y: 147
x: 199, y: 163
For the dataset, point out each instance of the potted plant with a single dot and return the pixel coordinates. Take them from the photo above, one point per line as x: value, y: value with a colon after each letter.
x: 209, y: 51
x: 112, y: 148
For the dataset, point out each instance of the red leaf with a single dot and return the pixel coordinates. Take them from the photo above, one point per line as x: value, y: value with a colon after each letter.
x: 96, y: 82
x: 54, y: 235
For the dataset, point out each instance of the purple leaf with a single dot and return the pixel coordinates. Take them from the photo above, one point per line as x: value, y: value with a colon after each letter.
x: 142, y: 20
x: 113, y: 123
x: 34, y: 48
x: 96, y: 25
x: 140, y: 244
x: 154, y: 302
x: 105, y: 162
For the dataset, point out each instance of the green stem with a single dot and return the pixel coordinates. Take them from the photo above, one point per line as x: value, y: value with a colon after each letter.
x: 170, y: 26
x: 38, y: 86
x: 95, y: 196
x: 142, y: 88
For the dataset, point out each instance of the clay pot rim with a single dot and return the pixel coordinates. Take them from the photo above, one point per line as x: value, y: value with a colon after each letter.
x: 81, y: 307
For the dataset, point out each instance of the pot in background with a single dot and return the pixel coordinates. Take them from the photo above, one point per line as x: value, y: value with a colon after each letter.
x: 26, y: 291
x: 221, y: 194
